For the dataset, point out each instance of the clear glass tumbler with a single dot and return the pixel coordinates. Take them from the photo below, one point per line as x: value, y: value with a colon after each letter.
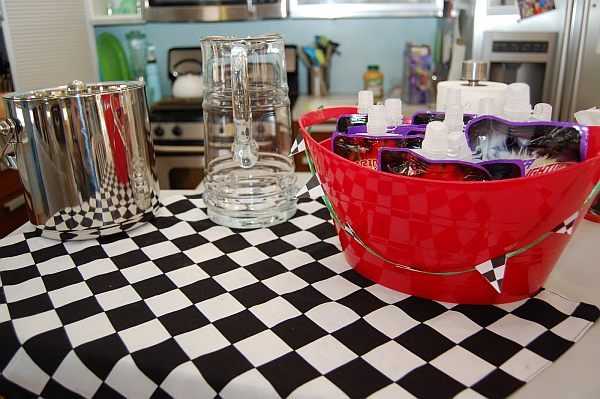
x: 250, y: 179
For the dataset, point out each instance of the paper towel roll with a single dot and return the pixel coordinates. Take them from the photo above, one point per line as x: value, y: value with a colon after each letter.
x: 472, y: 94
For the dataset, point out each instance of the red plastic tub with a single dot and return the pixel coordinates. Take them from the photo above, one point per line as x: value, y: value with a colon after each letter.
x: 437, y: 227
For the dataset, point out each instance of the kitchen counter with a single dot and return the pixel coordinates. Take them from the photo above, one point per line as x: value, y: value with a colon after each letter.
x: 574, y: 374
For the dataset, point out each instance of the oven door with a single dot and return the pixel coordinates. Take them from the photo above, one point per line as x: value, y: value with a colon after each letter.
x: 213, y: 10
x: 179, y: 167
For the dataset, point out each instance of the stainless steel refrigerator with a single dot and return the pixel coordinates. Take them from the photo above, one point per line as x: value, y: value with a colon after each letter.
x: 569, y: 61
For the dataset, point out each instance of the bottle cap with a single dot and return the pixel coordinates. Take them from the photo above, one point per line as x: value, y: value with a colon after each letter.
x: 435, y: 143
x: 487, y: 106
x: 453, y: 117
x: 151, y: 53
x: 542, y: 112
x: 517, y: 107
x: 376, y: 119
x: 393, y: 111
x: 373, y: 67
x: 458, y: 147
x: 365, y: 99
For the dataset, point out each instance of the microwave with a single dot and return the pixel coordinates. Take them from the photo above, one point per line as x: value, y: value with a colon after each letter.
x: 212, y: 10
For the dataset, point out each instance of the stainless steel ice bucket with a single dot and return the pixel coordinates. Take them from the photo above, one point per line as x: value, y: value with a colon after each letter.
x: 85, y: 157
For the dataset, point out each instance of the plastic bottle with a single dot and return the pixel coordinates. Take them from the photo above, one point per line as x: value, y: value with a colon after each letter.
x: 373, y: 80
x: 435, y: 143
x: 153, y: 90
x: 517, y: 107
x: 136, y: 42
x: 393, y: 112
x: 376, y: 123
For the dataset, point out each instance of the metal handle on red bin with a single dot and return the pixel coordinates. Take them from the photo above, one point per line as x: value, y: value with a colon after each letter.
x: 324, y: 114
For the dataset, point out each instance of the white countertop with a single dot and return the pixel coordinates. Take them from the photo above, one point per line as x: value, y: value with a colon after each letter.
x: 575, y: 276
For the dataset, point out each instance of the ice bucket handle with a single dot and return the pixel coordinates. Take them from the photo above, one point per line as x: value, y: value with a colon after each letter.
x: 8, y: 137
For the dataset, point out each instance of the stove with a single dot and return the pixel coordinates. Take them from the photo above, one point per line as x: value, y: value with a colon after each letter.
x: 177, y: 121
x: 178, y: 135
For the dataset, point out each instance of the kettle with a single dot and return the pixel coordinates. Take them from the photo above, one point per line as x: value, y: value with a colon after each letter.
x: 186, y: 82
x: 188, y: 86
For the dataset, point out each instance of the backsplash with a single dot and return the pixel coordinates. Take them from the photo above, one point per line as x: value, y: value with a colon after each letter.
x: 362, y: 42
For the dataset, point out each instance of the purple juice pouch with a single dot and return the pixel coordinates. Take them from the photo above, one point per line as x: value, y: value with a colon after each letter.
x: 424, y: 117
x: 401, y: 161
x: 504, y: 168
x: 364, y: 148
x: 542, y: 146
x: 347, y: 120
x: 402, y: 130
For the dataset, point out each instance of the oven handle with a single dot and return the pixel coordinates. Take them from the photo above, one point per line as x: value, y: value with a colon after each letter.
x: 175, y: 149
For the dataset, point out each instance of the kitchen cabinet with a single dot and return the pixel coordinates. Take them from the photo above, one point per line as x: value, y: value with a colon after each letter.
x: 13, y: 212
x: 365, y: 8
x: 49, y: 43
x: 102, y: 13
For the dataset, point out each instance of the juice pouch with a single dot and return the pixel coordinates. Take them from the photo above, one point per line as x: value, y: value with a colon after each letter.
x: 402, y: 130
x: 401, y: 161
x: 347, y: 120
x: 363, y: 149
x: 542, y: 146
x: 504, y: 168
x: 424, y: 117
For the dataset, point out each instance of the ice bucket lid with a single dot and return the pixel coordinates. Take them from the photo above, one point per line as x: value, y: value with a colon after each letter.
x: 74, y: 89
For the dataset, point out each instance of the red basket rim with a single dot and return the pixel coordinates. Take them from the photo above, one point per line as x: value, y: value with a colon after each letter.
x: 325, y: 114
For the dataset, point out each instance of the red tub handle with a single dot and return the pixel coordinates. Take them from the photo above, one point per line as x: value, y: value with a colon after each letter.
x: 323, y: 115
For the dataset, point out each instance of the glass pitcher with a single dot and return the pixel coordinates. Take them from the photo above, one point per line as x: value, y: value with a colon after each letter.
x: 250, y: 179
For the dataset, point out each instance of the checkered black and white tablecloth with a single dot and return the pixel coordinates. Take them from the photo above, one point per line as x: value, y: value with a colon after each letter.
x: 181, y: 307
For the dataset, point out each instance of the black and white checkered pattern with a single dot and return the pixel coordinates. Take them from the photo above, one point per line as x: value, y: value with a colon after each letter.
x: 493, y: 271
x: 298, y: 145
x: 185, y: 308
x: 112, y: 209
x: 312, y: 189
x: 567, y: 226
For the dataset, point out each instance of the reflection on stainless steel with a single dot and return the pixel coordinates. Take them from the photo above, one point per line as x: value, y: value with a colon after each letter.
x: 213, y: 11
x: 85, y: 157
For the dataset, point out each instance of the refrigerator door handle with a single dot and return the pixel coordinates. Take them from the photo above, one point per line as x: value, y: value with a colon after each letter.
x: 559, y: 92
x: 580, y: 49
